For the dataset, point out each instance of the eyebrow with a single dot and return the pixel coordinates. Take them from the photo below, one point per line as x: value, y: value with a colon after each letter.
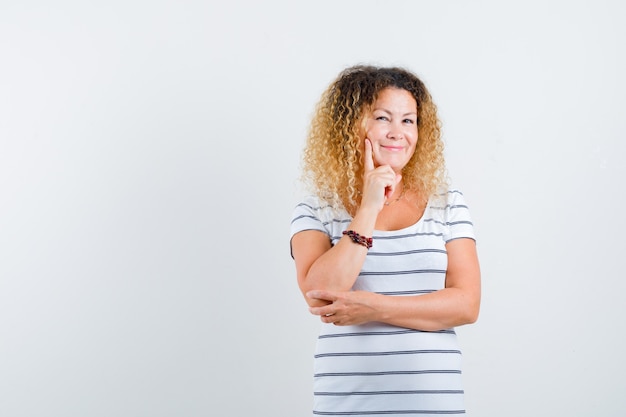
x: 388, y: 112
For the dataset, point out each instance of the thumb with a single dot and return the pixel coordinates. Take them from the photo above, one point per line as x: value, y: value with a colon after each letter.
x: 321, y: 295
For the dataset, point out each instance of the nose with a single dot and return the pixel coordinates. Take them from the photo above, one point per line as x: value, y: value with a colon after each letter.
x: 395, y: 131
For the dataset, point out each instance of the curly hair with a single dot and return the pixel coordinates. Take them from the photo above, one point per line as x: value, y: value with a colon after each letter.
x: 332, y: 157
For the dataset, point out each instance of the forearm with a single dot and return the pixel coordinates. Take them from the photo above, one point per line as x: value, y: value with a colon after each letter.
x: 338, y: 268
x: 439, y: 310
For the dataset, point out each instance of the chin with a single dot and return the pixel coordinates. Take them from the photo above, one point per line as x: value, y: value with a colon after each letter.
x: 395, y: 164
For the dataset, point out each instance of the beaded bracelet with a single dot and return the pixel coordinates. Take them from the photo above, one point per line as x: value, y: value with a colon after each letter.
x: 357, y: 238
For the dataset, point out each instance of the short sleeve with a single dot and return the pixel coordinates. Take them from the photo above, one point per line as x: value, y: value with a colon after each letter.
x: 307, y: 216
x: 457, y: 218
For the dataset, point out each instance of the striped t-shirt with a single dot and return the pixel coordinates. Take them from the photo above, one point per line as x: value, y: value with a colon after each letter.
x: 376, y: 368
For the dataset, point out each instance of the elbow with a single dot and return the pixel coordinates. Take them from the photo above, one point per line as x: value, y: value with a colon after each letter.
x: 467, y: 309
x: 469, y: 303
x: 312, y: 302
x: 466, y: 317
x: 471, y: 313
x: 471, y: 317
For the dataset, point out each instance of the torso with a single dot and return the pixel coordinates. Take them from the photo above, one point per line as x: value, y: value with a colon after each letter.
x: 376, y: 368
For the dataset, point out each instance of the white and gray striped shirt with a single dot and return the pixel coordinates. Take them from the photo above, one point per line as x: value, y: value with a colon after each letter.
x: 379, y: 369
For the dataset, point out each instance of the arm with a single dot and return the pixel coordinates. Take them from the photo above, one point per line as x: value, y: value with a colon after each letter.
x: 457, y: 304
x: 321, y: 266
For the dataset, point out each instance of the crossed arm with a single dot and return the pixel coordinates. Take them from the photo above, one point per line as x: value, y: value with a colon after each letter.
x: 326, y: 274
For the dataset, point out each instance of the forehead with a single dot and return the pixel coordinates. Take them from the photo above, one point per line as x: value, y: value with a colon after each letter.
x: 395, y: 98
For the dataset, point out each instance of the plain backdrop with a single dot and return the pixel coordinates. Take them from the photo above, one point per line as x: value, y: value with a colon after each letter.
x: 149, y: 162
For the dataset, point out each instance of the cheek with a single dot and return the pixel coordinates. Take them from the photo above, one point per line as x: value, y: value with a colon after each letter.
x: 414, y: 144
x: 366, y: 125
x: 370, y: 131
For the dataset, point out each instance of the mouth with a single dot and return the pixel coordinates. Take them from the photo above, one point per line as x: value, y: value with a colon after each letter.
x: 393, y: 148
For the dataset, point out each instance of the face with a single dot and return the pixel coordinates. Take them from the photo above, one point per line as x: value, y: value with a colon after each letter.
x: 392, y: 128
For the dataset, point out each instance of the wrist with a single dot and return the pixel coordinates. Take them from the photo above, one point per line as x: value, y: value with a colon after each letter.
x: 358, y: 238
x: 377, y: 306
x: 364, y: 221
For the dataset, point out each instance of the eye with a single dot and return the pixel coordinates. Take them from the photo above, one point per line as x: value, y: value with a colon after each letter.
x: 383, y: 118
x: 409, y: 121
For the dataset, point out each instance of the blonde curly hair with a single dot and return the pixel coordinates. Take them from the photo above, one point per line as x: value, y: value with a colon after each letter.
x: 332, y: 157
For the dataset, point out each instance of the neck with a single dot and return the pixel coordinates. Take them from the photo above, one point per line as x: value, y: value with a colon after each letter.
x: 398, y: 193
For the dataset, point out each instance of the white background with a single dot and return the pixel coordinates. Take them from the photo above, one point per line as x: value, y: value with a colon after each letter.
x: 149, y: 155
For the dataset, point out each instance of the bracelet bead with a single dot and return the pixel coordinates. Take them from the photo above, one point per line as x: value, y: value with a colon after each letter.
x: 357, y: 238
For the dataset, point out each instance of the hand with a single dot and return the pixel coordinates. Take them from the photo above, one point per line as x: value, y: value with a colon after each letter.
x: 379, y: 183
x: 345, y: 307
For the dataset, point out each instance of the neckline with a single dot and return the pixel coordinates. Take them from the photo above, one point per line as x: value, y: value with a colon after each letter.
x: 378, y: 232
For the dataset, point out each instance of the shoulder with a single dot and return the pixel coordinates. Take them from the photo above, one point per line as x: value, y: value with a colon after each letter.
x: 315, y: 213
x: 450, y: 209
x: 446, y: 198
x: 455, y: 198
x: 313, y: 205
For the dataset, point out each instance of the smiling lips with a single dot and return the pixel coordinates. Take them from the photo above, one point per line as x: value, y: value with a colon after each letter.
x: 393, y: 148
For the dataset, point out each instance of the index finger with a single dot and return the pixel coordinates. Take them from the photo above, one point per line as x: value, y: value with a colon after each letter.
x: 368, y: 160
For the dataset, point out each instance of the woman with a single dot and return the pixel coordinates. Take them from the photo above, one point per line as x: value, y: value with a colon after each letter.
x: 384, y: 250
